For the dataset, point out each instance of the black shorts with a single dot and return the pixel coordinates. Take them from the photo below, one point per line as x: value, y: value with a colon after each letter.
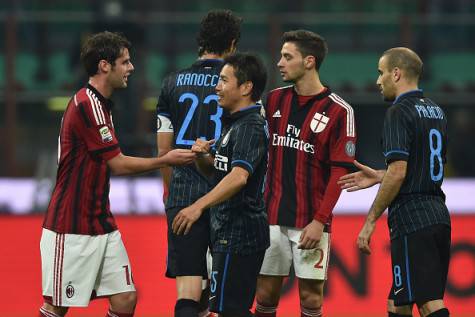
x: 187, y: 253
x: 233, y: 283
x: 420, y: 264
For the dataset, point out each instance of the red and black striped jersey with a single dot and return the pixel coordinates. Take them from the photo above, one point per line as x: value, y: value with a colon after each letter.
x: 305, y: 142
x: 80, y: 199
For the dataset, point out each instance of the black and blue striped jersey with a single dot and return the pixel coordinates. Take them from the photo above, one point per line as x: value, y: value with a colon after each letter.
x: 188, y: 99
x: 415, y: 130
x: 239, y: 225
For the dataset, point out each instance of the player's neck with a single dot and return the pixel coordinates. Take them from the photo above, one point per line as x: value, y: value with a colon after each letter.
x: 309, y: 84
x: 242, y: 104
x: 207, y: 55
x: 406, y: 87
x: 101, y: 86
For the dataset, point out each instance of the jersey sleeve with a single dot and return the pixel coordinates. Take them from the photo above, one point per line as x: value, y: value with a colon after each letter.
x: 396, y: 140
x: 250, y: 144
x: 342, y: 143
x: 164, y: 123
x: 95, y: 129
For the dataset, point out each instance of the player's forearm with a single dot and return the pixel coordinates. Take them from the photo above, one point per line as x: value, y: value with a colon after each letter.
x: 205, y: 164
x: 331, y: 196
x: 380, y: 175
x: 129, y: 165
x: 389, y: 189
x: 229, y: 186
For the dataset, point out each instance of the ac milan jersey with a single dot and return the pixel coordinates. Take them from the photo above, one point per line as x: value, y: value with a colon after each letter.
x: 188, y: 98
x: 80, y: 199
x: 305, y: 142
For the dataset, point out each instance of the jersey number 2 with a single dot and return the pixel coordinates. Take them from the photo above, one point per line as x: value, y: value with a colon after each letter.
x: 216, y: 118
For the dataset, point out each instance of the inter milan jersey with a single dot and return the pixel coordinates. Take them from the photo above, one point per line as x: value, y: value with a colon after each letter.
x: 80, y: 199
x: 239, y: 224
x: 189, y: 100
x: 305, y: 142
x: 415, y: 130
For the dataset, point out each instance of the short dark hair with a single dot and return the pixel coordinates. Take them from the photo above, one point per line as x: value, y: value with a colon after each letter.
x: 102, y: 46
x: 218, y: 30
x: 308, y: 43
x: 249, y: 67
x: 405, y: 59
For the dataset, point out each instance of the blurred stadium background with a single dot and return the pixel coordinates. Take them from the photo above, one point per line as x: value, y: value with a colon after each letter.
x: 40, y: 70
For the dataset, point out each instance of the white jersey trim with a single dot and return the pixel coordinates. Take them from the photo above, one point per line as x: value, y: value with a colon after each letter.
x: 350, y: 117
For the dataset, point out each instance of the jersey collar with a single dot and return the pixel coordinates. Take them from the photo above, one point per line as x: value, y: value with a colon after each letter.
x: 418, y: 93
x: 107, y: 102
x: 243, y: 112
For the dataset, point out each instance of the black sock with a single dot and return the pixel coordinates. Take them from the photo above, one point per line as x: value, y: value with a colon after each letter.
x: 204, y: 300
x: 444, y: 312
x: 397, y: 315
x: 186, y: 308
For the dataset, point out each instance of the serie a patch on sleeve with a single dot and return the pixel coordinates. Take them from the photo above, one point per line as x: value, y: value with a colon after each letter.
x: 106, y: 135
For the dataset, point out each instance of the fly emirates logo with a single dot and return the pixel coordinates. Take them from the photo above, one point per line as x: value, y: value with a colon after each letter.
x: 292, y: 140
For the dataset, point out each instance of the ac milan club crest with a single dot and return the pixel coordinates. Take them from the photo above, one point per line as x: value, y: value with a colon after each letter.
x: 69, y: 290
x: 319, y: 122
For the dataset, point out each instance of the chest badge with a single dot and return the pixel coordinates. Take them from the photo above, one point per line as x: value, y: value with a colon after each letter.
x: 226, y: 138
x: 319, y: 122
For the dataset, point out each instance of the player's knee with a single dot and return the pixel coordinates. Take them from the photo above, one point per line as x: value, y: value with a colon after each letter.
x: 266, y: 297
x: 396, y: 311
x: 311, y: 299
x: 125, y: 302
x: 47, y: 309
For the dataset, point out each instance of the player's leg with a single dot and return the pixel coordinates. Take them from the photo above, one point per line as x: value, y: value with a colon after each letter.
x: 70, y: 265
x: 233, y: 283
x: 311, y: 267
x: 276, y: 266
x: 398, y: 311
x: 115, y: 279
x: 433, y: 249
x: 48, y: 310
x: 187, y: 263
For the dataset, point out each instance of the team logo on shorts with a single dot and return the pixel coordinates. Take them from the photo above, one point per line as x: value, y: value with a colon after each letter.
x: 350, y: 148
x: 106, y: 135
x: 319, y: 122
x: 69, y: 290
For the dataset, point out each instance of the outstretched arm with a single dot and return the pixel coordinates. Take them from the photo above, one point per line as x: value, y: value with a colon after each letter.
x: 388, y: 190
x: 364, y: 178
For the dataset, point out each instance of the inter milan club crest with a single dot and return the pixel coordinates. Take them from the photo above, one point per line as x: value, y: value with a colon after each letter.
x: 319, y: 122
x: 69, y: 290
x: 226, y: 138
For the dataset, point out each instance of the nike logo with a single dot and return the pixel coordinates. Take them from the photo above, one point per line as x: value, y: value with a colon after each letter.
x: 397, y: 291
x: 212, y: 297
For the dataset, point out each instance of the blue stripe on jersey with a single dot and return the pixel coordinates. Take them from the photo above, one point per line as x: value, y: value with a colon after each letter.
x: 408, y: 274
x: 243, y: 162
x: 406, y: 93
x: 396, y: 151
x: 164, y: 114
x: 223, y: 281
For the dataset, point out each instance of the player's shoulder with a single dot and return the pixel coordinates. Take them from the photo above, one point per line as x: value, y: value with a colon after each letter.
x: 340, y: 104
x: 280, y: 90
x: 87, y: 103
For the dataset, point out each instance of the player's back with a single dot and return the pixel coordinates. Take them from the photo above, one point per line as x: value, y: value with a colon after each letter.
x: 416, y: 131
x: 188, y: 99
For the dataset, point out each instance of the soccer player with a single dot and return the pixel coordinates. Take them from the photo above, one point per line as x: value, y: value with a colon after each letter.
x: 188, y: 109
x: 82, y: 253
x: 312, y: 143
x: 240, y: 231
x: 414, y: 144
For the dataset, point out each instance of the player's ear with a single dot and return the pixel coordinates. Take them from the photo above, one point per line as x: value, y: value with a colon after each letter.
x: 309, y: 62
x: 396, y: 74
x: 246, y: 88
x: 104, y: 66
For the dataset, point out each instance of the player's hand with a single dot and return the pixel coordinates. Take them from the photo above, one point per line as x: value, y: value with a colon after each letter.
x: 311, y: 235
x: 202, y: 146
x: 364, y: 237
x: 185, y: 219
x: 179, y: 157
x: 364, y: 178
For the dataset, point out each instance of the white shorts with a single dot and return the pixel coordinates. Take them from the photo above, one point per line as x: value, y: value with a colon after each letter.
x: 74, y: 266
x: 308, y: 264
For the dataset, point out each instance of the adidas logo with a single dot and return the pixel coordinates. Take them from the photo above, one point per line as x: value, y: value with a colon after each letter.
x: 277, y: 114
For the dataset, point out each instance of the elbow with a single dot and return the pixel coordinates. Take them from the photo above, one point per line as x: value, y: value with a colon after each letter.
x: 242, y: 181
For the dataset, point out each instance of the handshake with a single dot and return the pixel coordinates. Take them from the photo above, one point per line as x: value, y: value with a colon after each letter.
x: 202, y: 147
